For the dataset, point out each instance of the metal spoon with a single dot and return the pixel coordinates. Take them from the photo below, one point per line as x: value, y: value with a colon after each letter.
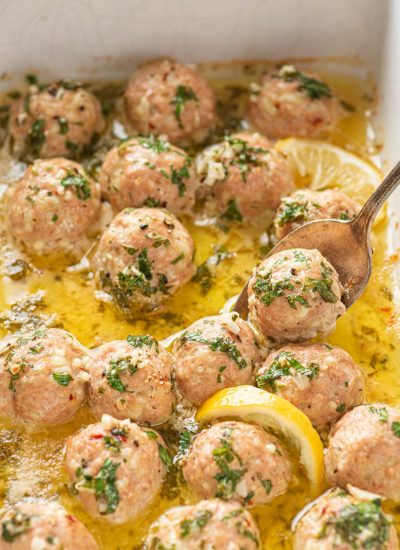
x: 346, y: 244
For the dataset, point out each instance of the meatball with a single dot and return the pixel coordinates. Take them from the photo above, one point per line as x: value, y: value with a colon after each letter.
x: 295, y: 295
x: 262, y: 468
x: 58, y: 120
x: 43, y: 375
x: 143, y: 257
x: 364, y: 450
x: 43, y: 526
x: 293, y: 103
x: 51, y: 208
x: 208, y: 524
x: 132, y: 379
x: 148, y: 171
x: 116, y: 467
x: 306, y: 206
x: 167, y: 98
x: 212, y: 354
x: 321, y: 380
x: 341, y: 521
x: 244, y: 177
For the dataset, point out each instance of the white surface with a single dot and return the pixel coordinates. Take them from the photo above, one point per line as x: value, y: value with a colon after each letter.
x: 71, y: 37
x: 112, y: 34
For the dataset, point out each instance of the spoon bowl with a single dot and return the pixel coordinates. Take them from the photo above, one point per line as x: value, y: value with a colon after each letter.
x: 345, y: 244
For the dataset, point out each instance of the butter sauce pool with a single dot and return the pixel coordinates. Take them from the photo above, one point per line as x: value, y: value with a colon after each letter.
x: 31, y: 463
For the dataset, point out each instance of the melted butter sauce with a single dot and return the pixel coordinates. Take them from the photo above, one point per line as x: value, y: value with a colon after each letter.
x: 31, y: 463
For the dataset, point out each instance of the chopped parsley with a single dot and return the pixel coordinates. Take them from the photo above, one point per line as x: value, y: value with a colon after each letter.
x: 104, y: 486
x: 245, y: 155
x: 178, y: 177
x: 154, y: 143
x: 285, y: 364
x: 116, y: 368
x: 16, y: 525
x: 220, y: 343
x: 62, y: 378
x: 200, y: 519
x: 292, y: 211
x: 183, y: 94
x: 185, y: 440
x: 73, y: 179
x: 63, y: 124
x: 151, y: 202
x: 341, y: 407
x: 267, y: 484
x: 382, y: 413
x: 141, y: 341
x: 361, y: 525
x: 114, y: 441
x: 311, y: 87
x: 396, y: 428
x: 227, y: 477
x: 165, y: 456
x: 178, y: 259
x: 144, y: 265
x: 36, y: 137
x: 232, y: 213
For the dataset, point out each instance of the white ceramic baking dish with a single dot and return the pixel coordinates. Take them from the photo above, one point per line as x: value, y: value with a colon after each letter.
x: 107, y: 38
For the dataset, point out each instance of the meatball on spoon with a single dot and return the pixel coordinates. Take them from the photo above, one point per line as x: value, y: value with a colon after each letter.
x: 345, y: 244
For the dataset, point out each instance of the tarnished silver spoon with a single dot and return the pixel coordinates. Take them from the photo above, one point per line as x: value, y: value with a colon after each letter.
x: 346, y: 244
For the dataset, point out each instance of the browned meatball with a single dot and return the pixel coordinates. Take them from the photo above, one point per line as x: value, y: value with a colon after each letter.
x: 293, y: 103
x: 261, y: 464
x: 212, y: 354
x: 244, y: 177
x: 58, y: 120
x: 209, y: 525
x: 295, y: 295
x: 321, y: 380
x: 340, y: 521
x: 130, y: 461
x: 43, y: 526
x: 51, y: 208
x: 148, y: 171
x: 143, y: 257
x: 132, y: 379
x: 306, y: 206
x: 43, y: 375
x: 168, y: 98
x: 364, y: 450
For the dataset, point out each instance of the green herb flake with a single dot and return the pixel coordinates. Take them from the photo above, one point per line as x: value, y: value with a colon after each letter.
x: 15, y: 525
x: 80, y: 184
x: 164, y: 456
x: 104, y: 486
x: 113, y: 442
x: 396, y: 428
x: 285, y: 364
x: 151, y: 202
x: 183, y: 94
x: 140, y: 341
x: 116, y: 368
x: 267, y: 484
x: 341, y: 408
x: 382, y: 413
x: 222, y: 344
x: 36, y: 137
x: 361, y: 525
x: 63, y: 124
x: 227, y: 477
x: 154, y: 143
x: 199, y: 521
x: 232, y: 213
x: 62, y: 378
x: 311, y: 87
x: 179, y: 258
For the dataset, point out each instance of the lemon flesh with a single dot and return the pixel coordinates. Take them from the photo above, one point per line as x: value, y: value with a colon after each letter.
x: 320, y: 165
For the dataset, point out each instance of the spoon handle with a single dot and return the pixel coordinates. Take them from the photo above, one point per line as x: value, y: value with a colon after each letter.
x: 371, y: 208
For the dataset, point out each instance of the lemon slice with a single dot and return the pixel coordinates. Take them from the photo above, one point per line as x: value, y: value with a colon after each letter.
x: 320, y: 165
x: 256, y: 405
